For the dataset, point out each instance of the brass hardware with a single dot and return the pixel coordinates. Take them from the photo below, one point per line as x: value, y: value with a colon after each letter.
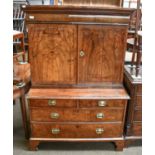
x: 55, y: 131
x: 20, y: 84
x: 31, y: 17
x: 100, y: 115
x: 52, y: 102
x: 99, y: 131
x: 102, y: 103
x: 54, y: 115
x: 82, y: 53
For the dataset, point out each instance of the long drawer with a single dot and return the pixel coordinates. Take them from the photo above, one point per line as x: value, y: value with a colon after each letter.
x: 138, y: 115
x: 75, y: 103
x: 48, y: 130
x: 138, y: 101
x: 45, y: 114
x: 139, y: 89
x: 137, y: 129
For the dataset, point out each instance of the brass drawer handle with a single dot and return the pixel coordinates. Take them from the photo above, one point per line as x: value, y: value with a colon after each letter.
x: 31, y: 17
x: 82, y: 53
x: 54, y: 115
x: 99, y: 115
x: 55, y: 131
x: 102, y: 103
x: 99, y: 131
x: 52, y: 102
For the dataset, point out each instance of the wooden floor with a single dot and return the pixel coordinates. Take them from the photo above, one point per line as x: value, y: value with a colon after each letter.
x: 20, y: 146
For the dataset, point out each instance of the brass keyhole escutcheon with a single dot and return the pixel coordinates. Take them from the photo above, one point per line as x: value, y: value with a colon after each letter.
x: 82, y: 53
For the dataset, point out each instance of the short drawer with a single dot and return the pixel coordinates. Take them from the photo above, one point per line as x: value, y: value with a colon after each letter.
x: 101, y: 103
x: 52, y: 103
x: 137, y: 129
x: 138, y: 101
x: 138, y: 115
x: 46, y: 114
x: 45, y: 130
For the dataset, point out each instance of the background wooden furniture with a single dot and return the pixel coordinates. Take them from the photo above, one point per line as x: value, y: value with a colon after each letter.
x: 133, y: 37
x: 21, y: 85
x: 19, y: 91
x: 21, y: 78
x: 134, y: 110
x: 76, y: 90
x: 109, y: 3
x: 133, y: 79
x: 17, y: 35
x: 19, y: 22
x: 18, y: 16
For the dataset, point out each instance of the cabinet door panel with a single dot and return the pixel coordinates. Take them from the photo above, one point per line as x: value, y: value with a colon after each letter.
x: 101, y: 53
x: 52, y: 53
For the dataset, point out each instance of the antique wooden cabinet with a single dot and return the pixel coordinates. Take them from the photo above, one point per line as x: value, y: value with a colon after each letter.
x: 133, y: 125
x: 77, y: 59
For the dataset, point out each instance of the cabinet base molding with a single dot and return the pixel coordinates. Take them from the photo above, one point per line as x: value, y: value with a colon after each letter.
x: 34, y: 142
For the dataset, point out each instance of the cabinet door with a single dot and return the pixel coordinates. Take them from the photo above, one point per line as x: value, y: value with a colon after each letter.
x: 101, y: 53
x: 52, y: 53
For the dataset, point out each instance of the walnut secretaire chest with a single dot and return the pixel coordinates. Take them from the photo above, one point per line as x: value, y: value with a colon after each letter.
x: 77, y: 59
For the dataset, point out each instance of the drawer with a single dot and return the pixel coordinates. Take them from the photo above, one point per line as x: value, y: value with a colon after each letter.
x: 48, y: 130
x: 52, y: 103
x: 138, y: 115
x: 137, y: 129
x: 46, y: 114
x: 139, y: 89
x: 138, y: 100
x: 101, y: 103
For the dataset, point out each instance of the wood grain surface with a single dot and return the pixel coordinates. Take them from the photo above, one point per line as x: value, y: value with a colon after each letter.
x: 40, y: 130
x: 77, y: 93
x: 43, y: 114
x: 58, y: 103
x: 104, y: 49
x: 53, y: 50
x: 134, y: 108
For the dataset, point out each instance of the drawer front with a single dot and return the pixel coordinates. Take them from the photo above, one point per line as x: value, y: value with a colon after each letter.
x: 138, y: 115
x: 101, y: 103
x: 139, y: 89
x: 41, y: 130
x: 52, y: 103
x: 138, y: 100
x: 46, y: 114
x: 137, y: 129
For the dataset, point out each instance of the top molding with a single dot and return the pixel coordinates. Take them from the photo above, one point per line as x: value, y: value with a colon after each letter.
x: 81, y: 10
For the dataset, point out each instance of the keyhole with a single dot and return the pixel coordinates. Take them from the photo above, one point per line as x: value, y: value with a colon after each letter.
x: 82, y: 53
